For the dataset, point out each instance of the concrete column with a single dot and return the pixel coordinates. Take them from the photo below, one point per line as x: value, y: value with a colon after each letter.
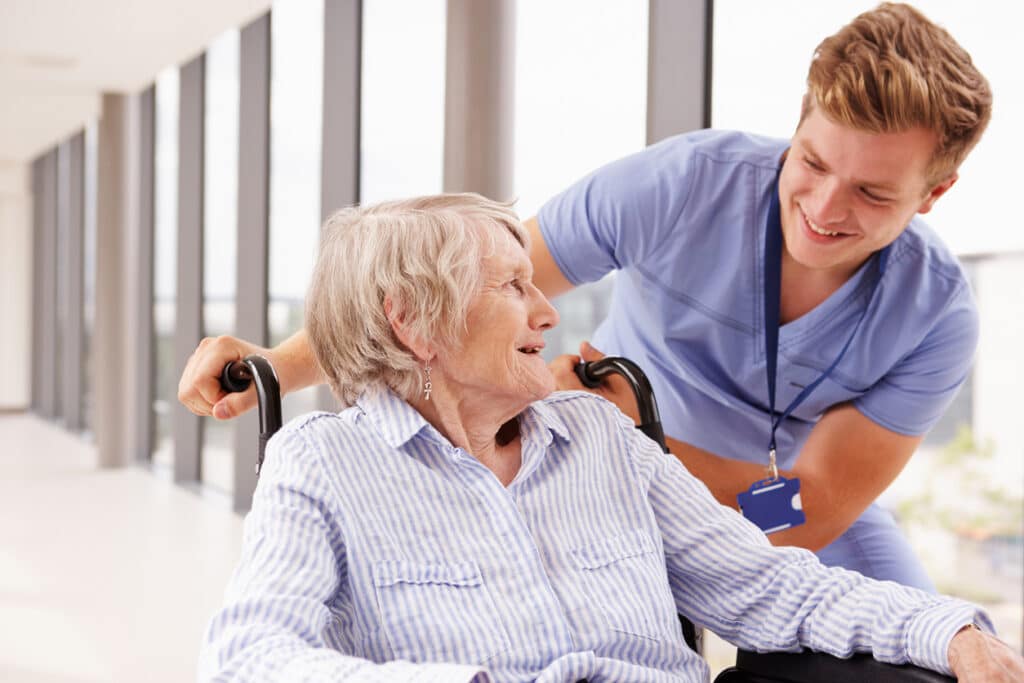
x: 139, y: 273
x: 339, y: 158
x: 339, y: 161
x: 253, y: 230
x: 45, y: 345
x: 16, y: 280
x: 189, y: 295
x: 117, y: 405
x: 480, y: 97
x: 678, y: 67
x: 71, y: 281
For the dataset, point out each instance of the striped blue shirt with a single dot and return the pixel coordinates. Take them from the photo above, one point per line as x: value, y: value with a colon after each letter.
x: 377, y: 550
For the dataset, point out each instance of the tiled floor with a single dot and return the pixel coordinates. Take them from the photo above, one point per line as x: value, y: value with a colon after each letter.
x: 105, y: 574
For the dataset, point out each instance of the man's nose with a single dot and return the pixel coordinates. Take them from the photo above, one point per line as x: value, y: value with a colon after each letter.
x: 831, y: 205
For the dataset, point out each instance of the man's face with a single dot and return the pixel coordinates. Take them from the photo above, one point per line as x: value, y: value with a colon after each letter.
x: 845, y: 193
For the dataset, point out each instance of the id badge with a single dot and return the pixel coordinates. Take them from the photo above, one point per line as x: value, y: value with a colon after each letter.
x: 773, y: 504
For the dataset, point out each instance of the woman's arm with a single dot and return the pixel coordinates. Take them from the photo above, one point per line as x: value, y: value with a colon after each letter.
x: 726, y: 576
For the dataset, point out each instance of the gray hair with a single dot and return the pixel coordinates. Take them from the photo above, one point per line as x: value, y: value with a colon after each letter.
x: 424, y: 255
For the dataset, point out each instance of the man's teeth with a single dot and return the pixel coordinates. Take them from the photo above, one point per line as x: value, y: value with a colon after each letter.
x: 818, y: 230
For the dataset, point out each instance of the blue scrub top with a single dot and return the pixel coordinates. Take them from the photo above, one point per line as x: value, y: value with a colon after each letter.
x: 683, y: 223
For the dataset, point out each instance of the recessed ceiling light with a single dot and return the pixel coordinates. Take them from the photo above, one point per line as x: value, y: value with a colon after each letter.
x: 39, y: 60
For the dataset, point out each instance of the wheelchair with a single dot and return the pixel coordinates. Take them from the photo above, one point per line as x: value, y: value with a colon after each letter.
x: 750, y: 667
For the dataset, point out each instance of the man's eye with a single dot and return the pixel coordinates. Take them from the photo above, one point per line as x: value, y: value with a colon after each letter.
x: 813, y: 165
x: 873, y: 197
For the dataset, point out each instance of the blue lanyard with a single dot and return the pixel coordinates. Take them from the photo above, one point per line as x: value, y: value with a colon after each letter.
x: 772, y: 287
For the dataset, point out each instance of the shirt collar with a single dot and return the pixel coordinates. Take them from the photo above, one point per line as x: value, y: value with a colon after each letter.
x: 547, y: 417
x: 398, y: 422
x: 395, y: 420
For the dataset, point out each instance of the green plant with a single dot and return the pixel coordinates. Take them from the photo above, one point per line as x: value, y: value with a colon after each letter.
x: 963, y: 493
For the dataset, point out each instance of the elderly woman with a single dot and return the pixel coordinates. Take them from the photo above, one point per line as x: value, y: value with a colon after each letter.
x: 458, y: 521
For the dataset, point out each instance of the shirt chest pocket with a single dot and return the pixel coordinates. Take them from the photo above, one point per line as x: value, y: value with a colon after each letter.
x: 625, y: 577
x: 433, y: 612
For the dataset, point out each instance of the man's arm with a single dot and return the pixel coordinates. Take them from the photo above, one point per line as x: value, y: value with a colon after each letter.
x: 845, y: 464
x: 725, y: 576
x: 547, y: 276
x: 199, y: 387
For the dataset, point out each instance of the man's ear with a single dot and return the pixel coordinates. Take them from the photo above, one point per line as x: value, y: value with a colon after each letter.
x: 396, y: 316
x: 936, y: 192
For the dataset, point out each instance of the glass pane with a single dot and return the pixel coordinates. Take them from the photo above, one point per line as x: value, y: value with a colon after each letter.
x: 165, y: 263
x: 761, y: 58
x: 89, y: 275
x: 220, y: 232
x: 296, y: 108
x: 402, y: 115
x: 570, y: 54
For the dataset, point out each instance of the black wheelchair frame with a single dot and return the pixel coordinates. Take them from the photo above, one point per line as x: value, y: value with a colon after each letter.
x: 751, y: 667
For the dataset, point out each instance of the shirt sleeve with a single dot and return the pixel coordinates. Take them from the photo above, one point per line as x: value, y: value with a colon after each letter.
x: 617, y: 215
x: 726, y: 576
x: 275, y: 613
x: 913, y: 396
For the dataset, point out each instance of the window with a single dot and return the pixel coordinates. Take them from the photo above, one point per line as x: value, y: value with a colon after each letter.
x: 296, y: 108
x: 165, y: 262
x: 581, y: 88
x: 220, y: 232
x: 402, y: 115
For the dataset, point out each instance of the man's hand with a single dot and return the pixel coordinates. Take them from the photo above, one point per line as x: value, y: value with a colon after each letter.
x: 199, y: 389
x: 975, y: 656
x: 613, y: 388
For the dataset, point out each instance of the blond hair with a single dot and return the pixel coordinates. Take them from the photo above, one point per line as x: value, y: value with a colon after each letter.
x: 423, y: 255
x: 891, y: 70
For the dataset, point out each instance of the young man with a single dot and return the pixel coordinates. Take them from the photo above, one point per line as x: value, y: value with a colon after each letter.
x: 874, y: 321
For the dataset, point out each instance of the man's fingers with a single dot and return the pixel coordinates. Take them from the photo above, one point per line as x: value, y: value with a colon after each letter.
x: 235, y: 404
x: 199, y: 389
x: 563, y: 368
x: 589, y: 353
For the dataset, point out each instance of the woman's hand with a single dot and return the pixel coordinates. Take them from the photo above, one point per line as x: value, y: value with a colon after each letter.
x: 614, y: 388
x: 199, y: 389
x: 975, y: 656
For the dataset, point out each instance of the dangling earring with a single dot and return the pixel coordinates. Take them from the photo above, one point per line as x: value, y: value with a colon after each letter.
x: 427, y: 386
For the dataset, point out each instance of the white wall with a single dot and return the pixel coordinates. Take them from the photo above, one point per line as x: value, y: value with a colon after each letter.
x: 15, y: 285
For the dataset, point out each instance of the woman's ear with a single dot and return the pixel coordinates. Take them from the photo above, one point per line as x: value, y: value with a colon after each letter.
x: 396, y: 316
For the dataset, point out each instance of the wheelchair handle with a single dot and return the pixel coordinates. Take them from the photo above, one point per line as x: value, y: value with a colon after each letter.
x: 238, y: 375
x: 592, y: 374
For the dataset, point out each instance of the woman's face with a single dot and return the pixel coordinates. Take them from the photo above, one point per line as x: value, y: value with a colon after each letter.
x: 500, y: 360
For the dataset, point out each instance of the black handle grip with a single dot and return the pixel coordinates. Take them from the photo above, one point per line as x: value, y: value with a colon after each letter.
x: 237, y: 375
x: 591, y: 375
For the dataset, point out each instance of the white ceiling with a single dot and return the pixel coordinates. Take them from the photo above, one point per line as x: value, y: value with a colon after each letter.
x: 57, y: 57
